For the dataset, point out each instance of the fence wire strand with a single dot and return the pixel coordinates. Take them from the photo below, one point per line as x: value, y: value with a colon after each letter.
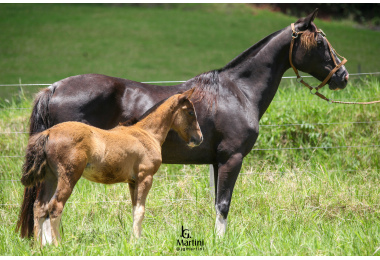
x: 282, y: 125
x: 174, y: 81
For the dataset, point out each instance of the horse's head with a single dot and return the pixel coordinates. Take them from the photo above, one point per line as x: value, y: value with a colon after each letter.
x: 185, y: 120
x: 313, y: 54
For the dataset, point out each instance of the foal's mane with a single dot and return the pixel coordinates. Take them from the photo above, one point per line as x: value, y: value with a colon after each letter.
x: 134, y: 120
x: 152, y: 109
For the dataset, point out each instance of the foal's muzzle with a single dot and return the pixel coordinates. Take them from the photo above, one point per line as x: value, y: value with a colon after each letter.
x: 195, y: 141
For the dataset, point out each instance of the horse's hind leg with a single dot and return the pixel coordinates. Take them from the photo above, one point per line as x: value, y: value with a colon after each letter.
x: 141, y: 190
x: 65, y: 186
x: 42, y: 227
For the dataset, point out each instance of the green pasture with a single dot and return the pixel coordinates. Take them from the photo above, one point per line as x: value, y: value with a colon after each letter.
x: 322, y: 198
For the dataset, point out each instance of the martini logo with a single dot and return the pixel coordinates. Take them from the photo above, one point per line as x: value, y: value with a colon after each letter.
x: 186, y: 242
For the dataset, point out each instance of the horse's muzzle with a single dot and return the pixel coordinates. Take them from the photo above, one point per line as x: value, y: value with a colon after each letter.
x: 195, y: 141
x: 339, y: 80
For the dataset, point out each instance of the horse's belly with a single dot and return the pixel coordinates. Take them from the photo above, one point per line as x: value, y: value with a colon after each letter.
x: 107, y: 175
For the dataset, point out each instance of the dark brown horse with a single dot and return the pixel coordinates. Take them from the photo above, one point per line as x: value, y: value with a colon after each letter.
x: 61, y: 155
x: 230, y: 102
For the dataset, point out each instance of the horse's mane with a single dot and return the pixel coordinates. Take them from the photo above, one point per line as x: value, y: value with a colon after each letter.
x: 206, y: 86
x: 129, y: 122
x: 251, y: 51
x: 309, y: 38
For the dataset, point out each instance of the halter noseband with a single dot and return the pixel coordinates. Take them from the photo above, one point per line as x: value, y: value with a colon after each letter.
x: 314, y: 91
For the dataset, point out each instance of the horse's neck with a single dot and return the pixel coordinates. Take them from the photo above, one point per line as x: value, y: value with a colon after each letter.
x: 258, y: 71
x: 159, y: 122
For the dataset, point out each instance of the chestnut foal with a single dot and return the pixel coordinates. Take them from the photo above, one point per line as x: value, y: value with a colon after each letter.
x: 57, y: 157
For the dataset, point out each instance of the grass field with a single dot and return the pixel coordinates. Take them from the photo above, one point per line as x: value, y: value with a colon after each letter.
x: 43, y: 43
x: 311, y: 201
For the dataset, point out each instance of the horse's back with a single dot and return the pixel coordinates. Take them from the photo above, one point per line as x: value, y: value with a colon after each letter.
x: 69, y: 137
x: 101, y: 100
x: 90, y: 98
x: 96, y: 154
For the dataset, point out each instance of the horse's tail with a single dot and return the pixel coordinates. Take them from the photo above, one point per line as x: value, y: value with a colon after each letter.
x: 25, y: 223
x: 38, y: 122
x: 40, y: 118
x: 33, y: 173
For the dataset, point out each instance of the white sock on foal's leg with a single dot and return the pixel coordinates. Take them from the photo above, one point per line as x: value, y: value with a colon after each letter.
x: 138, y: 216
x: 46, y: 236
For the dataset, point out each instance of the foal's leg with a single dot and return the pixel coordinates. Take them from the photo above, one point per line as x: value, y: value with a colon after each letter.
x: 66, y: 182
x: 133, y: 197
x: 142, y: 188
x: 42, y: 227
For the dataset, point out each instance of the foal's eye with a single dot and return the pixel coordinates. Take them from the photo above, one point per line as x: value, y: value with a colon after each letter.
x: 191, y: 113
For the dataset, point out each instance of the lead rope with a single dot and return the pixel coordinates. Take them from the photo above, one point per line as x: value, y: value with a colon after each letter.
x: 314, y: 91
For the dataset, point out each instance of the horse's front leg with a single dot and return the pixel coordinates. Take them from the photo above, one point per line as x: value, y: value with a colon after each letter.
x: 227, y: 175
x: 141, y: 189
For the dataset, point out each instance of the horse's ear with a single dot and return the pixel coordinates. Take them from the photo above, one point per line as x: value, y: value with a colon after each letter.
x: 186, y: 95
x: 304, y: 23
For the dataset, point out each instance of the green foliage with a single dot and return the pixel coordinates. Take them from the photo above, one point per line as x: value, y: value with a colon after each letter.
x: 359, y: 12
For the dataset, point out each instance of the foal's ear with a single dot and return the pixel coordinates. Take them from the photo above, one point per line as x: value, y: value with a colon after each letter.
x: 186, y: 95
x: 189, y: 92
x: 304, y: 23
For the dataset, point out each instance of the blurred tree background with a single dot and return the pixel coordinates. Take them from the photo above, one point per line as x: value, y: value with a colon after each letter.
x: 363, y: 13
x: 366, y: 14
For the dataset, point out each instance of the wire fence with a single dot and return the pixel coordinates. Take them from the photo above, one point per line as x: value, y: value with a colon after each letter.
x: 176, y: 81
x: 179, y: 81
x: 294, y: 171
x: 281, y: 125
x: 267, y: 149
x: 197, y: 176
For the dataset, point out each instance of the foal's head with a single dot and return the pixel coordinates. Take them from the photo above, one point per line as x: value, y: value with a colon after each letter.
x: 312, y: 54
x: 185, y: 120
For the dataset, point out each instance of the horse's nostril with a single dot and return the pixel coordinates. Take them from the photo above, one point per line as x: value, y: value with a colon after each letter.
x: 346, y: 77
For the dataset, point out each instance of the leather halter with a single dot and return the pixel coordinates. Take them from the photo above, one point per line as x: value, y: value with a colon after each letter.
x: 313, y: 90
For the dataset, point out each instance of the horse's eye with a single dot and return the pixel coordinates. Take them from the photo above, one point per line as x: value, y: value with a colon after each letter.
x: 191, y: 112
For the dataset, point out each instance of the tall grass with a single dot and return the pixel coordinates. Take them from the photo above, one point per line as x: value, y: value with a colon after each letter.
x: 285, y: 202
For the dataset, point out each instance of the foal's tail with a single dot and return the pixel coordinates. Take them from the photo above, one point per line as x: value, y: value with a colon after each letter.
x: 33, y: 172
